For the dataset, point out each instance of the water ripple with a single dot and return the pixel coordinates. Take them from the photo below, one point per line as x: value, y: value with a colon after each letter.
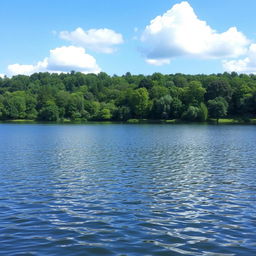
x: 127, y: 190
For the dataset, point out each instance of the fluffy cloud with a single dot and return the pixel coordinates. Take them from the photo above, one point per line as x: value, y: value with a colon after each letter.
x: 179, y: 32
x: 246, y: 65
x: 99, y: 40
x: 2, y: 75
x: 62, y: 59
x: 68, y: 58
x: 18, y: 69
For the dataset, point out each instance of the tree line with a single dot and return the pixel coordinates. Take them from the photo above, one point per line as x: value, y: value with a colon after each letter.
x: 78, y: 96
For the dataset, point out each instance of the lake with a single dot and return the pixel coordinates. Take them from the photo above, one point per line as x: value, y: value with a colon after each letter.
x: 127, y: 189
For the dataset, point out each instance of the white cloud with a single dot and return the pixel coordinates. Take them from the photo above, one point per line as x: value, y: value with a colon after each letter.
x: 2, y: 75
x: 62, y: 59
x: 246, y: 65
x: 18, y: 69
x: 99, y: 40
x: 158, y: 62
x: 179, y: 32
x: 68, y: 58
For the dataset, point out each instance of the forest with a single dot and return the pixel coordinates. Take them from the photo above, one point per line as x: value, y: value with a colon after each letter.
x: 76, y: 96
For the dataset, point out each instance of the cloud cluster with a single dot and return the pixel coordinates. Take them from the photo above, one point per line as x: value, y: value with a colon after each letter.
x: 245, y: 65
x: 98, y: 40
x: 1, y: 75
x: 179, y: 32
x: 176, y: 33
x: 74, y: 57
x: 62, y: 59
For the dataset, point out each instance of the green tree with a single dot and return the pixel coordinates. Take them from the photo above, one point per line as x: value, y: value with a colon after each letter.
x: 219, y: 88
x: 139, y: 102
x: 105, y: 114
x: 122, y: 113
x: 49, y: 112
x: 1, y: 106
x: 191, y: 114
x: 194, y: 93
x: 203, y: 113
x: 14, y: 105
x: 31, y: 112
x: 158, y: 92
x: 217, y: 108
x: 92, y: 108
x: 75, y: 107
x: 96, y: 97
x: 180, y: 80
x: 145, y: 83
x: 162, y: 107
x: 62, y: 100
x: 176, y: 108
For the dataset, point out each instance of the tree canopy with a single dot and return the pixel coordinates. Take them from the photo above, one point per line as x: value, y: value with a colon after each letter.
x: 78, y: 96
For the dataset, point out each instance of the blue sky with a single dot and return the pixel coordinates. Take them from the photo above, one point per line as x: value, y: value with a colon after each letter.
x: 43, y: 36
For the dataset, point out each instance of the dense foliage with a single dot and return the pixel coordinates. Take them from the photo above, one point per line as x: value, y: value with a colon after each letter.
x: 76, y: 96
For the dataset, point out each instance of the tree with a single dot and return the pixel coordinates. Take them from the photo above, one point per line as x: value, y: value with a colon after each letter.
x: 176, y: 108
x: 105, y: 114
x: 79, y: 96
x: 180, y: 80
x: 191, y: 114
x: 145, y: 83
x: 122, y: 113
x: 139, y: 102
x: 219, y: 88
x: 75, y: 106
x: 1, y: 107
x: 62, y: 101
x: 217, y: 108
x: 49, y: 112
x: 31, y: 112
x: 158, y: 92
x: 92, y: 108
x: 241, y: 93
x: 203, y: 113
x: 14, y: 105
x: 162, y: 107
x: 194, y: 93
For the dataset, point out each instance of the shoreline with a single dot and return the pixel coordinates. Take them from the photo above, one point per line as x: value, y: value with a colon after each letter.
x: 135, y: 121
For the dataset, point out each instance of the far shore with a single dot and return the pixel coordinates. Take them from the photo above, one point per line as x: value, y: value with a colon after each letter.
x: 135, y: 121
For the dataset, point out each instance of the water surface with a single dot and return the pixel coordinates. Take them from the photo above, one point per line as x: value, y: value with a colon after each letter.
x: 127, y: 190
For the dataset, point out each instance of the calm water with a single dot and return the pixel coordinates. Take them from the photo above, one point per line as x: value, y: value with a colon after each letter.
x: 127, y: 190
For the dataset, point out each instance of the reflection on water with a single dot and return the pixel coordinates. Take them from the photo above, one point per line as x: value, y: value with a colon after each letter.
x: 127, y: 190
